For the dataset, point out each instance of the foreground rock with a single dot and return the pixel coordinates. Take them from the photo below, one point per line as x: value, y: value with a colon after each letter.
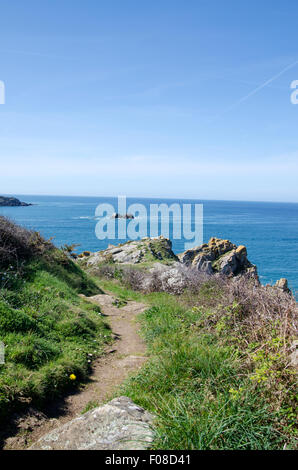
x: 219, y: 256
x: 118, y: 425
x: 12, y: 202
x: 134, y: 252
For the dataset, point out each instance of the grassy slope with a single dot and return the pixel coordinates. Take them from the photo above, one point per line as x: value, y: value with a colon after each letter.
x: 49, y: 331
x: 207, y: 389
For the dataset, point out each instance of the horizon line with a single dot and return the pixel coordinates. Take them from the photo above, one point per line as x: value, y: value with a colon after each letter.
x: 153, y: 197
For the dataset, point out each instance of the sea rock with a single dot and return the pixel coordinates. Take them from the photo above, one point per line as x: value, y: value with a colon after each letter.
x: 134, y: 252
x: 118, y: 425
x: 12, y: 202
x: 119, y: 216
x: 219, y: 256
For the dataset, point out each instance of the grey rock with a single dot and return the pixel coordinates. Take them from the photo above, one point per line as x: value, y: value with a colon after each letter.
x: 171, y: 277
x: 118, y: 425
x: 219, y: 256
x: 228, y: 264
x: 134, y: 252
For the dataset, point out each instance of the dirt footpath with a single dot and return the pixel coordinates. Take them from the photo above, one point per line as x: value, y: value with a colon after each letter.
x: 125, y: 356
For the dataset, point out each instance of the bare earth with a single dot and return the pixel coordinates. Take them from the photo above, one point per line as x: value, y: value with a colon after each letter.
x: 126, y: 356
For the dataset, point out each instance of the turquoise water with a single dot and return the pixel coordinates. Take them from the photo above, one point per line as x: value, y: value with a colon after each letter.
x: 269, y: 230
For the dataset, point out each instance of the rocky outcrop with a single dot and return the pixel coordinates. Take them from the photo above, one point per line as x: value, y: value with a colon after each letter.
x: 133, y: 252
x: 219, y: 256
x: 215, y: 257
x: 118, y: 425
x: 282, y: 284
x: 12, y: 202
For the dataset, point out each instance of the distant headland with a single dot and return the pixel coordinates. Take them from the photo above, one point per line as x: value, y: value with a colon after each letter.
x: 12, y: 202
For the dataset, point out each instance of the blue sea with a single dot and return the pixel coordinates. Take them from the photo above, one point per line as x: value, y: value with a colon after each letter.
x: 269, y: 230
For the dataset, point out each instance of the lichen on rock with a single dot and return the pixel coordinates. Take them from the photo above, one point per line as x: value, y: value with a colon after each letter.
x: 219, y: 256
x: 118, y: 425
x: 134, y: 252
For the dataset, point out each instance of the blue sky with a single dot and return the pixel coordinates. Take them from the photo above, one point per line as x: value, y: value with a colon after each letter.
x: 149, y: 98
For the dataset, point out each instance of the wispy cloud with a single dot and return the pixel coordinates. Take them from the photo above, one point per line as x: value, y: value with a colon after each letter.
x: 256, y: 90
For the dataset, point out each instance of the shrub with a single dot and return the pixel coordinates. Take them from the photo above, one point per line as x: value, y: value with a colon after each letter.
x: 18, y: 244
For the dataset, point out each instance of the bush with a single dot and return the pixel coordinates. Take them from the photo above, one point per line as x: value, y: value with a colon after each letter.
x: 18, y: 244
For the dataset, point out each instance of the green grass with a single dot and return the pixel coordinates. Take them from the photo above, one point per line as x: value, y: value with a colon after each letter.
x: 90, y: 406
x: 49, y: 331
x: 122, y: 292
x: 198, y: 385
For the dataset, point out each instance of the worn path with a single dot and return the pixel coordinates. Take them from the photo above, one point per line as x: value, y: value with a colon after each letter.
x: 127, y: 355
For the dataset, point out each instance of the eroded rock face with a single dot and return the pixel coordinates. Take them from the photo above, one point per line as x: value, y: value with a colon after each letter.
x: 133, y: 252
x: 219, y: 256
x: 118, y: 425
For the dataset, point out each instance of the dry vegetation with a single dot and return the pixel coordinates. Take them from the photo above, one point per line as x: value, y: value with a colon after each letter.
x: 18, y: 244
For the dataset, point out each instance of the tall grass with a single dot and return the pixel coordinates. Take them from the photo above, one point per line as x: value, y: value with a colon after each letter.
x: 200, y: 389
x: 219, y: 374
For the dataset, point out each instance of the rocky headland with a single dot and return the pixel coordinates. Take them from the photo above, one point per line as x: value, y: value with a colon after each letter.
x: 12, y: 202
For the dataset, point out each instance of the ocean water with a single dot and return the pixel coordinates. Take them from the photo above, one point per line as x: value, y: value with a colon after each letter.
x: 269, y: 230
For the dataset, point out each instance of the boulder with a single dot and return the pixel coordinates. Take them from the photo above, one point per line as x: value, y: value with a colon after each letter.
x: 118, y: 425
